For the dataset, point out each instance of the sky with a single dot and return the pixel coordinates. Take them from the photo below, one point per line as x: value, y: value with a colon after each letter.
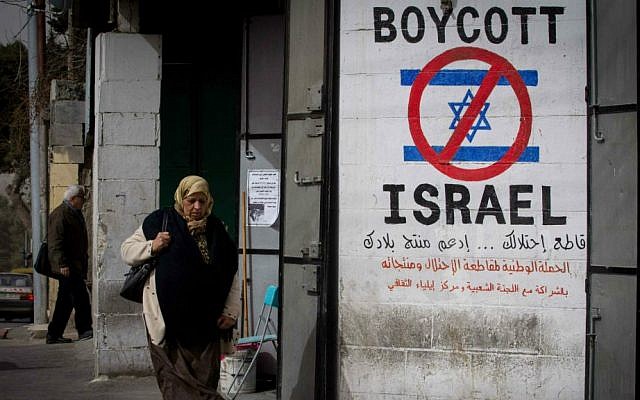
x: 12, y: 18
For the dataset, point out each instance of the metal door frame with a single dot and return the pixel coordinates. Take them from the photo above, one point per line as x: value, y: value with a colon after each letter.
x: 594, y: 111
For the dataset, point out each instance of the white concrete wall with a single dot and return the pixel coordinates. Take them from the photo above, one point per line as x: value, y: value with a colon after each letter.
x: 125, y: 181
x: 432, y: 306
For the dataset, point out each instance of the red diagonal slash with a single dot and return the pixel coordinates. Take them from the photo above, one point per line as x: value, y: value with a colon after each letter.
x: 498, y: 67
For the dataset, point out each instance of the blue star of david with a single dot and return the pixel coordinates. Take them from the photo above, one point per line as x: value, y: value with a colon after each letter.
x: 481, y: 123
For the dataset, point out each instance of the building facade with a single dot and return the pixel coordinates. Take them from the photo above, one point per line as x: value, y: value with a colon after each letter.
x: 456, y: 213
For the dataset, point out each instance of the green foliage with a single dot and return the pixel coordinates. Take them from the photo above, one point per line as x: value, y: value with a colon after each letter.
x: 14, y: 109
x: 63, y: 61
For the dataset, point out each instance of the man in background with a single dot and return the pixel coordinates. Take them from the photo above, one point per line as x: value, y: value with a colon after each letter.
x: 68, y: 254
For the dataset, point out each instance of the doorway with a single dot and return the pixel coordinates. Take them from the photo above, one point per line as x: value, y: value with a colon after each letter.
x: 221, y: 118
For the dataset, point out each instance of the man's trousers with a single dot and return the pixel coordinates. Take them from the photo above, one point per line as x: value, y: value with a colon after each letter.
x: 72, y: 294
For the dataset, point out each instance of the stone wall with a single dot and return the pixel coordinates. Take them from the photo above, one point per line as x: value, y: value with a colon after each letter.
x: 125, y: 177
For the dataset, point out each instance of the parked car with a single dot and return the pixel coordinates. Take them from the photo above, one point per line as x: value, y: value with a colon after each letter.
x: 16, y: 295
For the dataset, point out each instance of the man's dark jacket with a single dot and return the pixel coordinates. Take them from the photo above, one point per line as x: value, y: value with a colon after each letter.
x: 67, y: 240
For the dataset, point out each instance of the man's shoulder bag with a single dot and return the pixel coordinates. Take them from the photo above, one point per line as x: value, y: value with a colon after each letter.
x: 135, y: 279
x: 42, y: 264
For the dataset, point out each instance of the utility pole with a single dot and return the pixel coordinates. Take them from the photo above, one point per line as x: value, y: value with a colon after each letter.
x: 37, y: 147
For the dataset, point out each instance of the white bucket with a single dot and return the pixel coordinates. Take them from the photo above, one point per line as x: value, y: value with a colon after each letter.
x: 230, y: 367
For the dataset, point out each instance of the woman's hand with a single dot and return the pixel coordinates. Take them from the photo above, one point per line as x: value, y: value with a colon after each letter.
x: 225, y: 322
x: 161, y: 241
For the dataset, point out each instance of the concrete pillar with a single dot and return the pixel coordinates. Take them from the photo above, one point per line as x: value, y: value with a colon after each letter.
x: 125, y: 179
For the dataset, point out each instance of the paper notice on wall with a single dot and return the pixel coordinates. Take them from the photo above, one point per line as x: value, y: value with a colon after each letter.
x: 263, y: 192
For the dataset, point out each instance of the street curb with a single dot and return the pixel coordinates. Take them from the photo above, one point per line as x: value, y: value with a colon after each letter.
x: 37, y: 331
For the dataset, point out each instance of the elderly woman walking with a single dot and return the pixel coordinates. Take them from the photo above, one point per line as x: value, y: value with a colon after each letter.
x: 191, y: 299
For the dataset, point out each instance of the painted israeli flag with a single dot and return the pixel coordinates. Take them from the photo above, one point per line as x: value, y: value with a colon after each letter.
x: 470, y: 77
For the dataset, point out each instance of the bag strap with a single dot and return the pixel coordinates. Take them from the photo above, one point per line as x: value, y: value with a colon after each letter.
x: 165, y: 215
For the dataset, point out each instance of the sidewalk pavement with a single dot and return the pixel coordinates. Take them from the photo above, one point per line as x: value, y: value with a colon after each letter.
x: 31, y: 369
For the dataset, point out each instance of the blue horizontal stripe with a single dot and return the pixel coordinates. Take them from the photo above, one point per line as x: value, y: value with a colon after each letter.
x: 476, y: 153
x: 464, y: 77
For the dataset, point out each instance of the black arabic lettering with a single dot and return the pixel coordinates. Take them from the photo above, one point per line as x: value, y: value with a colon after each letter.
x: 566, y: 244
x: 416, y: 242
x: 368, y: 241
x: 446, y: 244
x: 510, y: 241
x: 388, y: 242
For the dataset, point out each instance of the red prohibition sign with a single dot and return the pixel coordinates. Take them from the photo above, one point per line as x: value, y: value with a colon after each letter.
x: 499, y: 67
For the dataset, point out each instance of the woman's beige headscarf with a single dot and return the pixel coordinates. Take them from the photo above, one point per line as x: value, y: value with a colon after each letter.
x: 189, y: 185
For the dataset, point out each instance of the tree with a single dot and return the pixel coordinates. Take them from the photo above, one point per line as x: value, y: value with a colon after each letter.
x: 14, y: 125
x: 64, y: 56
x: 12, y: 237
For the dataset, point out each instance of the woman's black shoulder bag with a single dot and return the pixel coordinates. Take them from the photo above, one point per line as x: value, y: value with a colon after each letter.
x: 135, y: 279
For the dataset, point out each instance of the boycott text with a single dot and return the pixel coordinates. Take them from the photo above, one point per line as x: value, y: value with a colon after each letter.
x: 412, y: 23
